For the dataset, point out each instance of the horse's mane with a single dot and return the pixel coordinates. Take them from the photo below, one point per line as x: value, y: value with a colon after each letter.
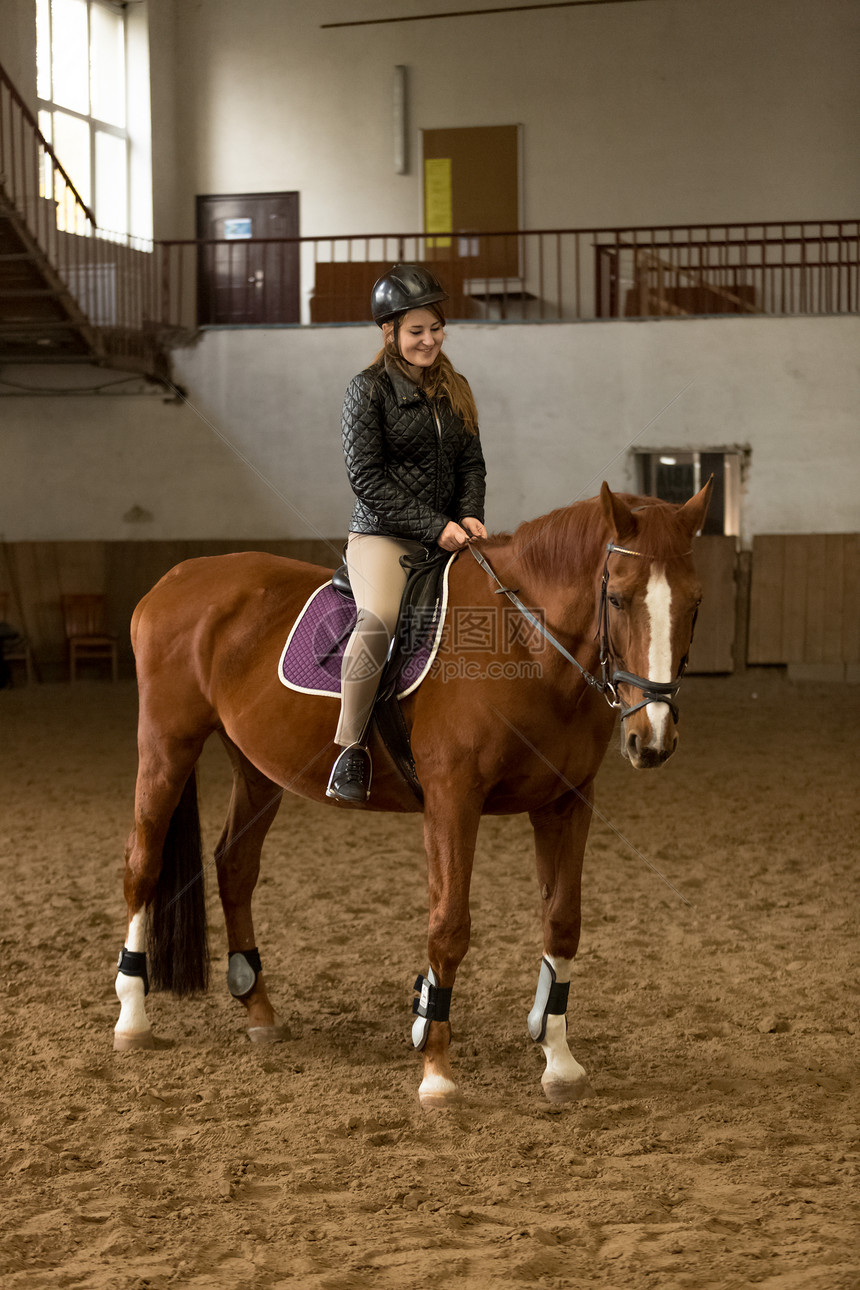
x: 577, y: 535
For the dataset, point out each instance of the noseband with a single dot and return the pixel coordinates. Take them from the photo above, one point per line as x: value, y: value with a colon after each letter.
x: 652, y: 691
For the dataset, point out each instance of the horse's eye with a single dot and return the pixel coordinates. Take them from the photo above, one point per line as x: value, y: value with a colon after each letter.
x: 614, y: 602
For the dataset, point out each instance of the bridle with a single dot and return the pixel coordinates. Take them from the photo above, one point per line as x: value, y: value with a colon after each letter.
x: 609, y: 679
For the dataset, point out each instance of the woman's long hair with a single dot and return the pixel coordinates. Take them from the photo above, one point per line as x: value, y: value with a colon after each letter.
x: 438, y: 381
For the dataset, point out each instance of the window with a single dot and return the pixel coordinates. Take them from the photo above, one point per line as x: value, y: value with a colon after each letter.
x: 676, y: 475
x: 81, y: 73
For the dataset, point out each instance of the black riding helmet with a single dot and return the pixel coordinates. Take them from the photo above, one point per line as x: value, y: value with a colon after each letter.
x: 404, y: 287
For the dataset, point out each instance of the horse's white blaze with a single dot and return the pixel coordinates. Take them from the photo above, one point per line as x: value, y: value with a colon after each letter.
x: 129, y: 989
x: 561, y: 1066
x: 658, y: 602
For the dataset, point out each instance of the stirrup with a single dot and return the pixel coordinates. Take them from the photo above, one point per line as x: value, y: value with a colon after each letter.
x: 351, y: 775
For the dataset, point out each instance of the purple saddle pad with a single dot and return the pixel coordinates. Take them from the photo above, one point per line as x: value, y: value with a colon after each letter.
x: 311, y: 659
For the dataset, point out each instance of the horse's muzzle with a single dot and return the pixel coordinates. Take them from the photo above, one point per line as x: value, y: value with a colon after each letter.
x: 644, y: 755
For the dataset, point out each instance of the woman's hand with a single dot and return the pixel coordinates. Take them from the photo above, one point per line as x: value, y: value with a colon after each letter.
x: 473, y: 527
x: 453, y: 538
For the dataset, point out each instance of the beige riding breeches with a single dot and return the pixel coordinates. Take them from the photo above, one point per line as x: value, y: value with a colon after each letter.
x: 377, y: 580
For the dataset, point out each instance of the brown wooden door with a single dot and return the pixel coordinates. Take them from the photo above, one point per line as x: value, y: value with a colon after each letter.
x: 471, y: 184
x: 243, y: 281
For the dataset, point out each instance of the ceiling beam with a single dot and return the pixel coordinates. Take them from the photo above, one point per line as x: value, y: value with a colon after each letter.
x: 469, y: 13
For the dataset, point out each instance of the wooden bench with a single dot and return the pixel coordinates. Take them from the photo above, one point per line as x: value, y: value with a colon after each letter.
x: 342, y: 289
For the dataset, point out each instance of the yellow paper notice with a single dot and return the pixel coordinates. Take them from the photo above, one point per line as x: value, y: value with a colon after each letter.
x: 438, y: 206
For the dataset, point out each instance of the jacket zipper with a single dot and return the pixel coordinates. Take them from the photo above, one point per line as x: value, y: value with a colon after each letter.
x: 438, y: 448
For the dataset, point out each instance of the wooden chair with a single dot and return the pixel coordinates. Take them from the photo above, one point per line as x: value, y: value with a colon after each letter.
x: 88, y: 639
x: 16, y: 649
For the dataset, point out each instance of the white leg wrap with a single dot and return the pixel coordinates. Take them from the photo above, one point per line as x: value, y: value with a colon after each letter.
x: 432, y: 1005
x: 130, y: 990
x: 132, y: 1012
x: 551, y: 994
x: 563, y: 1078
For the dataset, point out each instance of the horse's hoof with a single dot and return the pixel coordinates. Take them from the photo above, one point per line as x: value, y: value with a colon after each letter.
x: 125, y: 1040
x: 438, y: 1094
x: 560, y: 1092
x: 276, y: 1034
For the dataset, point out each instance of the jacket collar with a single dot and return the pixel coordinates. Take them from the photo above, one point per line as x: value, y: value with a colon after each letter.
x: 405, y: 391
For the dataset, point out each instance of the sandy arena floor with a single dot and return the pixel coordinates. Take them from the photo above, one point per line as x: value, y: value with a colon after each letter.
x: 720, y: 1148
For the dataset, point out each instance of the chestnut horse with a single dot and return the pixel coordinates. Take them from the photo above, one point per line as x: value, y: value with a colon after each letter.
x: 607, y: 593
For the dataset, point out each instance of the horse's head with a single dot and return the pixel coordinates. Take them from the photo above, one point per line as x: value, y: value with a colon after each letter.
x: 650, y: 595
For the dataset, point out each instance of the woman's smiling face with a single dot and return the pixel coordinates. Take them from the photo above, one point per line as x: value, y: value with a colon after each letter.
x: 421, y: 335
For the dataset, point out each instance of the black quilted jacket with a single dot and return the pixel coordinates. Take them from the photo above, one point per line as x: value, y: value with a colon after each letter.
x: 411, y: 463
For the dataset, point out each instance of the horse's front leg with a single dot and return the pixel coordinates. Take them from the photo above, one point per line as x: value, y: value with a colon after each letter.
x: 560, y: 830
x: 450, y: 829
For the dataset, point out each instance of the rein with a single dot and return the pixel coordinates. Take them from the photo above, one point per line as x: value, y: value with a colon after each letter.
x: 652, y: 691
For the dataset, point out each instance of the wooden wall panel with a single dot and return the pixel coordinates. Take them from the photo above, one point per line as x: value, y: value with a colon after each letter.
x: 832, y: 625
x: 795, y: 569
x: 37, y: 574
x: 713, y: 644
x: 765, y: 627
x: 851, y: 595
x: 36, y: 577
x: 805, y: 599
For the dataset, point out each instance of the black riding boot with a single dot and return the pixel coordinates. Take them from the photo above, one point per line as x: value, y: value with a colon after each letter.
x: 349, y: 781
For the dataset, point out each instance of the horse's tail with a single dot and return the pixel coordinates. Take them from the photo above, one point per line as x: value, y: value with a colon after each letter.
x: 178, y: 946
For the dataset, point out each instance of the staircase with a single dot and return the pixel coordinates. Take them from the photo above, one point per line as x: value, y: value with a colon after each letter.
x: 68, y: 294
x: 40, y: 320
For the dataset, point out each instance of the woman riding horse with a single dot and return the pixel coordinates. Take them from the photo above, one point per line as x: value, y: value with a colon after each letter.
x: 414, y: 460
x: 519, y: 723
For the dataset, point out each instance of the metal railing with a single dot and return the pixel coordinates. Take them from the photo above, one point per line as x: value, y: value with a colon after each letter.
x: 132, y: 297
x: 775, y: 269
x: 543, y: 275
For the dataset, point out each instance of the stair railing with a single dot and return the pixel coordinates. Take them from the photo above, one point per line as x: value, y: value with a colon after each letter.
x: 108, y: 279
x: 33, y: 179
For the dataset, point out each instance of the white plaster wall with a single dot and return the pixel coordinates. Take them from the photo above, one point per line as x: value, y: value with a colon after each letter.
x: 18, y: 46
x: 572, y: 402
x: 670, y: 111
x: 256, y: 451
x: 167, y: 130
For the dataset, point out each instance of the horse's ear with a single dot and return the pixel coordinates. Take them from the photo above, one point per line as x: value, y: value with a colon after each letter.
x: 692, y: 514
x: 618, y: 516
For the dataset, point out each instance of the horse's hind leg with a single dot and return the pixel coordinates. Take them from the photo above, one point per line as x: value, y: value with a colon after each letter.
x: 560, y: 830
x: 253, y: 806
x: 165, y: 837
